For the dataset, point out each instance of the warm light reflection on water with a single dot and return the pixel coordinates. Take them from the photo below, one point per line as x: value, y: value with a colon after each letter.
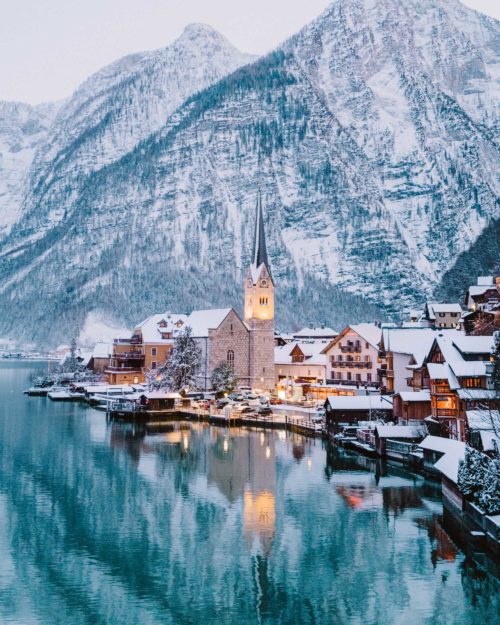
x: 187, y: 523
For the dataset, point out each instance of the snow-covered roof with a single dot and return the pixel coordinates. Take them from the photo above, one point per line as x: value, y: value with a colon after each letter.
x: 159, y: 395
x: 369, y: 332
x: 396, y: 431
x: 435, y: 308
x: 311, y: 350
x: 415, y: 396
x: 476, y: 393
x: 466, y: 368
x: 448, y: 465
x: 360, y: 402
x: 328, y: 333
x: 102, y: 350
x: 485, y: 281
x: 438, y: 443
x: 482, y: 419
x: 474, y: 344
x: 201, y: 321
x: 438, y: 371
x: 152, y: 332
x: 414, y: 341
x: 475, y: 291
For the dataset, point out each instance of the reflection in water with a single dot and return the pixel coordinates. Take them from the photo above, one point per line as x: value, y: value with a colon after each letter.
x: 187, y: 523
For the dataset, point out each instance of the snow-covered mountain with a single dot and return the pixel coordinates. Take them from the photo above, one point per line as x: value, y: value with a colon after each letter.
x: 372, y: 135
x: 22, y: 129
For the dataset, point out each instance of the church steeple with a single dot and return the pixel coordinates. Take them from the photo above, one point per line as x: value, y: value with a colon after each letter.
x: 259, y: 256
x: 259, y: 310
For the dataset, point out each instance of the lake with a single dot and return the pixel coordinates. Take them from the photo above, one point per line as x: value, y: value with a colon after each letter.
x: 186, y: 523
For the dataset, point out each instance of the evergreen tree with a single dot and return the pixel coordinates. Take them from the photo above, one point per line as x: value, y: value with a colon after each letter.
x: 489, y: 496
x: 71, y: 363
x: 495, y: 376
x: 223, y: 379
x: 471, y: 474
x: 181, y: 369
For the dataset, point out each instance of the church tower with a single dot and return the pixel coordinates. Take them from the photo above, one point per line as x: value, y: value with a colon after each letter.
x: 259, y: 310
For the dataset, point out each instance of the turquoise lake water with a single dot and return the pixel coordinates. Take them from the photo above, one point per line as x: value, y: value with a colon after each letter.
x: 192, y: 524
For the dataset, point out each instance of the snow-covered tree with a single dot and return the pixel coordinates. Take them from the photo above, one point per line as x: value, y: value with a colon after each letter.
x: 489, y: 495
x: 71, y: 364
x: 223, y: 378
x: 471, y: 474
x: 495, y: 376
x: 180, y: 370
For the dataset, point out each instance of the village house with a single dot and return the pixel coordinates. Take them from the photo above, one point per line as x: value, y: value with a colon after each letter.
x: 145, y: 349
x: 300, y: 362
x: 442, y: 315
x: 353, y: 355
x: 412, y: 407
x: 399, y: 349
x: 99, y: 360
x: 450, y: 372
x: 342, y: 411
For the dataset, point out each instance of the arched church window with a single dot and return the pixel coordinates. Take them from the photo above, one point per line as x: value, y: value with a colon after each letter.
x: 263, y: 283
x: 230, y: 358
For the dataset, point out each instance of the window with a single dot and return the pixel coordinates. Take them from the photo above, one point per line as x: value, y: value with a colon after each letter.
x: 230, y: 359
x: 368, y: 377
x: 357, y: 358
x: 441, y: 314
x: 349, y: 375
x: 367, y: 358
x: 153, y: 351
x: 263, y: 283
x: 358, y: 377
x: 340, y: 358
x: 367, y: 345
x: 454, y: 314
x: 263, y: 301
x: 153, y: 364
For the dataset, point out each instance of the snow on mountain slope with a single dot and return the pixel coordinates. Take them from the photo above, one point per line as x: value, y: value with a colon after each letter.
x: 22, y: 129
x: 372, y: 135
x: 120, y: 106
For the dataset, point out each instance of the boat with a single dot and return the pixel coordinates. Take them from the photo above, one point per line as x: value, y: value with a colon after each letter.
x: 37, y: 391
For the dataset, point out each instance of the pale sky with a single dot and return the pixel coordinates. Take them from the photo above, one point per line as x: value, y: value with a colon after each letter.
x: 48, y: 47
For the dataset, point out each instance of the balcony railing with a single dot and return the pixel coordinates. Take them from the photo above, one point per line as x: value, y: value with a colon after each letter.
x: 113, y: 369
x: 358, y: 383
x: 129, y: 356
x: 445, y: 412
x: 131, y: 341
x: 351, y: 364
x: 350, y: 349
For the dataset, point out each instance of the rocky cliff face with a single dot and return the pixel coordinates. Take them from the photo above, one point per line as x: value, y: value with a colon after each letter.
x: 372, y: 136
x: 23, y: 128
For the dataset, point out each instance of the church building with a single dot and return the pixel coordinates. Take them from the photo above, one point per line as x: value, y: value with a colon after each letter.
x: 247, y: 344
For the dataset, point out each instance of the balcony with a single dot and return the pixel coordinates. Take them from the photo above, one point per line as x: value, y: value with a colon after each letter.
x: 128, y: 356
x: 113, y: 369
x: 132, y: 341
x: 445, y: 412
x: 350, y: 349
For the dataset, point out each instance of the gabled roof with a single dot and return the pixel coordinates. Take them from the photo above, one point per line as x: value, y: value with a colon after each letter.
x: 415, y: 396
x: 369, y: 332
x: 438, y: 443
x: 448, y: 465
x: 414, y: 341
x: 201, y: 321
x: 360, y: 402
x: 474, y: 344
x: 433, y: 308
x: 396, y: 431
x: 102, y: 350
x: 152, y: 333
x: 312, y: 351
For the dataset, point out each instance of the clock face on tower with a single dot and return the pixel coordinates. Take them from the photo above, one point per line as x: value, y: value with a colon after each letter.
x: 249, y: 283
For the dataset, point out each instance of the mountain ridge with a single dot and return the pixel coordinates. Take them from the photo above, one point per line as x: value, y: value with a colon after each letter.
x: 374, y: 176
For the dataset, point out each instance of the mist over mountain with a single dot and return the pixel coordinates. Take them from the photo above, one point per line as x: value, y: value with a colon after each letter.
x: 372, y: 136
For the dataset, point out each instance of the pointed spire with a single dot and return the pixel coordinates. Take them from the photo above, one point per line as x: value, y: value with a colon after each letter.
x: 259, y: 246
